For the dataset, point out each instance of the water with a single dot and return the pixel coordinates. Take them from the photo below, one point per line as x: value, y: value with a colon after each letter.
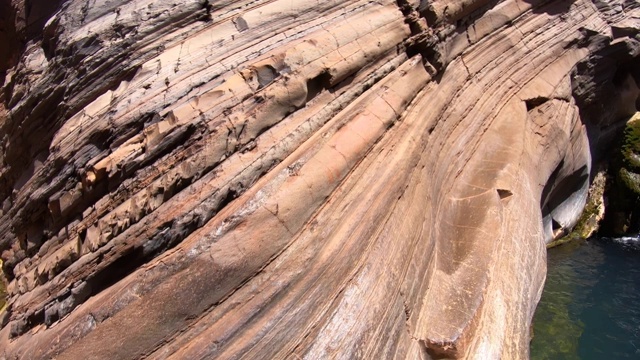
x: 590, y: 308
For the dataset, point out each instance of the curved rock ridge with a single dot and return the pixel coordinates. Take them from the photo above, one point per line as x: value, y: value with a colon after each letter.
x: 297, y: 179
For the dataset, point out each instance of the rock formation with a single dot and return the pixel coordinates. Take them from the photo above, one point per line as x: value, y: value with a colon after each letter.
x: 623, y: 183
x: 296, y: 179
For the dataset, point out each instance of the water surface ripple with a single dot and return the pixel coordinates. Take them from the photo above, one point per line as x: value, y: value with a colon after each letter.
x: 590, y: 307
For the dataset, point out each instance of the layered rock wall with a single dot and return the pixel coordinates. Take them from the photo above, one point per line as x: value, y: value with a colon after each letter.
x: 307, y: 179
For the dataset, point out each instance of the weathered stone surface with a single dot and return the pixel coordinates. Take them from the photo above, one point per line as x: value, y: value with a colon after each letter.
x: 307, y: 179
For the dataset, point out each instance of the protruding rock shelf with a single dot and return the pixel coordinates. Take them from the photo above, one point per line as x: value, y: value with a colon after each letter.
x: 296, y: 179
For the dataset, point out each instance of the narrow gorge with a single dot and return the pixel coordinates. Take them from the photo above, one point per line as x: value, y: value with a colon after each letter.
x: 306, y: 179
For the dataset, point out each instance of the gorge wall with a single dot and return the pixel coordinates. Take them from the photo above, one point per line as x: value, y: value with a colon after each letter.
x: 296, y: 179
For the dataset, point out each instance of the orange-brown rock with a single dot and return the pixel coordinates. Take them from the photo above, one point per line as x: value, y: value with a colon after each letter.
x: 297, y: 179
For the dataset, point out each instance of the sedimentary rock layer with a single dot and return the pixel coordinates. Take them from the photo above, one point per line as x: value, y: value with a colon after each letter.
x: 306, y: 179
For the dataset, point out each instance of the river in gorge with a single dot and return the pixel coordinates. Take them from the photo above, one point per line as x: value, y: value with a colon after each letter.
x: 590, y: 307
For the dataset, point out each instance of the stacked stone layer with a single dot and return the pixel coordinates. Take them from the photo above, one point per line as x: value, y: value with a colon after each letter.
x: 307, y: 179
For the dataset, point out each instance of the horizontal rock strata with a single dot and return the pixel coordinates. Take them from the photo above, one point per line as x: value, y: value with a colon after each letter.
x: 297, y: 179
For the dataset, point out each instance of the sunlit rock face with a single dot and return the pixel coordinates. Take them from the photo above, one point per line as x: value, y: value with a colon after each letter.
x: 296, y: 179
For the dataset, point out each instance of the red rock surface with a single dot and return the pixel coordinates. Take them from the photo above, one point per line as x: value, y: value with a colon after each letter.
x: 296, y: 179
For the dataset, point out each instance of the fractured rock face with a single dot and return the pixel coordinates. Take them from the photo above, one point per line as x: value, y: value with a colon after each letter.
x: 271, y: 179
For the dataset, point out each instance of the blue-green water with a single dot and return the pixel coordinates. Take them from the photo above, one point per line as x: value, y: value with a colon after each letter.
x: 590, y: 308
